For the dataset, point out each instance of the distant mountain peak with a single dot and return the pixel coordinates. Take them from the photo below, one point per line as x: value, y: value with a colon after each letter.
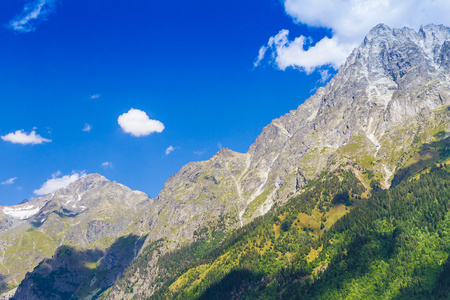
x: 84, y: 184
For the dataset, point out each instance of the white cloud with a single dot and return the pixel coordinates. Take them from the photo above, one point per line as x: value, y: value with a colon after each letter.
x: 55, y: 183
x: 9, y: 181
x: 137, y: 123
x: 107, y: 164
x: 21, y: 137
x: 349, y: 22
x: 87, y: 127
x: 33, y: 13
x: 170, y: 149
x: 219, y: 145
x: 262, y: 52
x: 288, y: 53
x: 200, y: 152
x: 95, y: 96
x: 324, y: 76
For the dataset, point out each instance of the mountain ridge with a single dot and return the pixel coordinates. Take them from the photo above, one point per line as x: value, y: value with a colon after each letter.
x: 89, y: 213
x: 394, y: 87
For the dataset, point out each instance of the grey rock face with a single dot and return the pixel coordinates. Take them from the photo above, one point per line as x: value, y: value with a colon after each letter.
x: 96, y: 229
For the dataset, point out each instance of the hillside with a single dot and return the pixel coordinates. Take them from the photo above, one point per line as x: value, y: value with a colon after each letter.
x: 393, y: 244
x: 89, y: 214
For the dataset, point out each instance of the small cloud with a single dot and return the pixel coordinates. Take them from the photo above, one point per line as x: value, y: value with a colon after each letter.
x: 262, y: 52
x: 32, y: 14
x: 87, y: 127
x: 200, y: 152
x: 137, y: 123
x: 107, y: 164
x: 55, y: 183
x: 170, y: 149
x: 9, y: 181
x: 21, y: 137
x: 324, y: 76
x: 95, y: 96
x: 219, y: 145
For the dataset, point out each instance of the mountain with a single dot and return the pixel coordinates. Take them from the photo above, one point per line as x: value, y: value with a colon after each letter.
x: 389, y: 98
x: 367, y: 128
x: 392, y: 88
x: 91, y: 213
x: 391, y: 245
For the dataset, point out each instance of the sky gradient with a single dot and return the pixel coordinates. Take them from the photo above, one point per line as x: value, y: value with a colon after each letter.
x: 212, y: 73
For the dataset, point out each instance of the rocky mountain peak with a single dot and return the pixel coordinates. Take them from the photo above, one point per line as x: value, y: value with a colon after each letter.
x: 379, y: 31
x: 83, y: 184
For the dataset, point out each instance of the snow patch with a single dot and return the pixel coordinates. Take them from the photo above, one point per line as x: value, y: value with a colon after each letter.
x: 21, y: 213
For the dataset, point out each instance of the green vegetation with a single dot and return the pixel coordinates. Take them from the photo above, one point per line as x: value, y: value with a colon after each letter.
x: 262, y: 248
x: 431, y: 153
x: 256, y: 203
x: 330, y: 243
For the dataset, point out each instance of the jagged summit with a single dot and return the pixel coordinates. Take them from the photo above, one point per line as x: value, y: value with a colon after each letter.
x: 90, y: 192
x: 74, y: 190
x: 83, y: 184
x: 380, y: 30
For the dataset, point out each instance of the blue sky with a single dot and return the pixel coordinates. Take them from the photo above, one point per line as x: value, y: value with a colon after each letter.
x: 213, y: 73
